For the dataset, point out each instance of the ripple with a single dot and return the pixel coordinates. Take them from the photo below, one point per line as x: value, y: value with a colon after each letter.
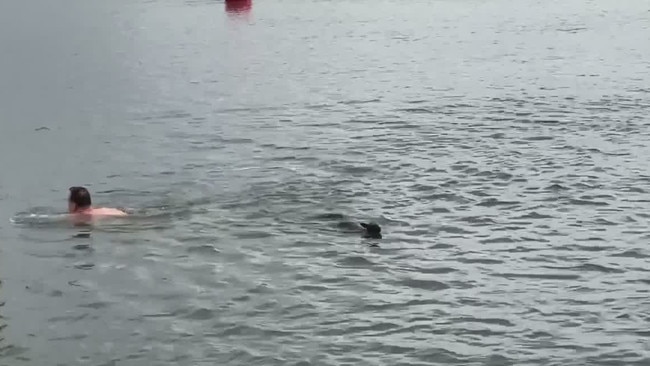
x: 496, y: 321
x: 366, y: 330
x: 544, y: 276
x: 424, y: 284
x: 205, y: 249
x: 533, y: 215
x: 433, y: 270
x: 480, y: 260
x: 556, y: 187
x: 491, y: 202
x: 632, y: 253
x: 253, y: 235
x: 356, y: 262
x: 96, y: 305
x: 84, y: 266
x: 498, y: 240
x: 201, y: 314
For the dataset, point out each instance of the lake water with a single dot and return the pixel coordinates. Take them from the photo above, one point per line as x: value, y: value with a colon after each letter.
x: 501, y: 145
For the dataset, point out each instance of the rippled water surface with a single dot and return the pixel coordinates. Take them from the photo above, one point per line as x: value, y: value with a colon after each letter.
x: 501, y: 145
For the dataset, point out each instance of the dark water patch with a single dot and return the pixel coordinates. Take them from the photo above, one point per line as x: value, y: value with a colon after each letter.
x: 492, y: 321
x: 533, y: 215
x: 556, y: 187
x: 494, y: 175
x: 581, y: 202
x: 480, y: 260
x: 253, y: 235
x: 538, y: 240
x: 539, y: 138
x: 492, y: 202
x: 161, y: 315
x: 449, y: 197
x: 498, y: 240
x: 591, y: 248
x: 478, y: 220
x: 631, y: 253
x: 539, y: 334
x: 356, y: 262
x: 403, y: 330
x: 512, y: 227
x: 520, y: 249
x: 498, y: 135
x: 74, y: 337
x: 261, y: 289
x: 355, y: 170
x: 479, y: 193
x: 437, y: 356
x: 327, y: 217
x: 499, y: 360
x: 96, y: 305
x: 591, y: 238
x: 305, y: 244
x: 589, y: 267
x: 398, y: 125
x: 430, y: 285
x: 598, y: 196
x: 353, y: 101
x: 171, y: 114
x: 201, y: 314
x: 539, y: 259
x: 84, y: 266
x: 67, y: 318
x: 416, y: 110
x: 366, y: 330
x: 633, y: 190
x: 206, y: 249
x: 603, y: 222
x: 12, y: 351
x: 440, y: 210
x: 454, y: 230
x: 432, y: 270
x: 312, y: 288
x: 417, y: 232
x: 541, y: 276
x: 441, y: 246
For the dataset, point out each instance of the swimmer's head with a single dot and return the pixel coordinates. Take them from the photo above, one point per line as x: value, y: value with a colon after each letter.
x: 79, y: 199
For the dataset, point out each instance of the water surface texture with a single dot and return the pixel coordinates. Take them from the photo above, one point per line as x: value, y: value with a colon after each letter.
x: 502, y: 145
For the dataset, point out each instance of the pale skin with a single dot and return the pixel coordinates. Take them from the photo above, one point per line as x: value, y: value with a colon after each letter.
x: 94, y: 212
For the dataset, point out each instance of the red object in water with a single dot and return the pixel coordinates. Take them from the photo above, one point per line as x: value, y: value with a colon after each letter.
x: 239, y: 6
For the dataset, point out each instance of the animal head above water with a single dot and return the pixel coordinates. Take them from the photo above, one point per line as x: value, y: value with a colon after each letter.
x: 372, y: 230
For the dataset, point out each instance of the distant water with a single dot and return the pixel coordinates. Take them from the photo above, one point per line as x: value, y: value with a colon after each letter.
x: 501, y: 145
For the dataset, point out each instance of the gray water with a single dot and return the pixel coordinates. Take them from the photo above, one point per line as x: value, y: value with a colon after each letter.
x: 502, y: 146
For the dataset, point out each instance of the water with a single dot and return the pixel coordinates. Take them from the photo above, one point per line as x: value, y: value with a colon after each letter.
x: 501, y: 145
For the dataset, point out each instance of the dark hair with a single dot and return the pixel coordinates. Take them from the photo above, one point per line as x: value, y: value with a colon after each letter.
x: 80, y: 197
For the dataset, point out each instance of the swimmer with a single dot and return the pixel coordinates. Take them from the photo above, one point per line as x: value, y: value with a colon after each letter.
x: 80, y: 205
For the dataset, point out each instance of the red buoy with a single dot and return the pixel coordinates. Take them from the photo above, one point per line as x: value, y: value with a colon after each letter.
x: 239, y: 6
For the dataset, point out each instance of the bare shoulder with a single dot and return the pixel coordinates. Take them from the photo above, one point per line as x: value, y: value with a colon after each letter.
x: 106, y: 211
